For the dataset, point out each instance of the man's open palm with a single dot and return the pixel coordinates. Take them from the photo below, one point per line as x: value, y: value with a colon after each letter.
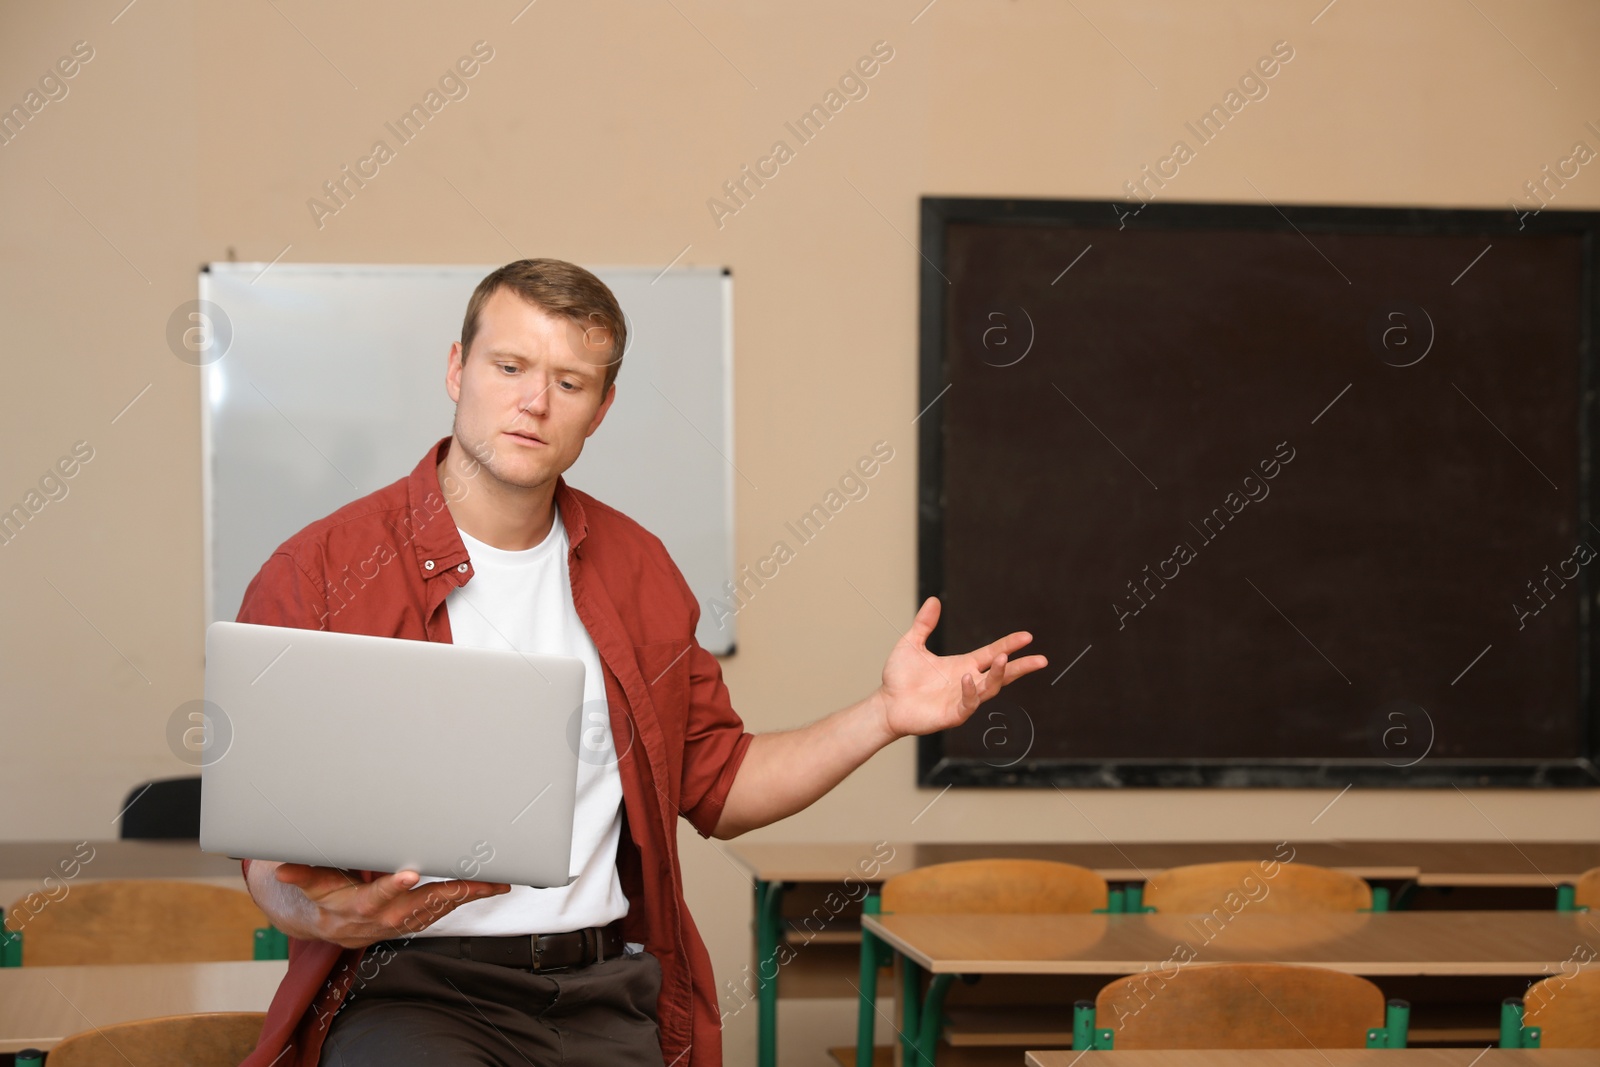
x: 923, y: 693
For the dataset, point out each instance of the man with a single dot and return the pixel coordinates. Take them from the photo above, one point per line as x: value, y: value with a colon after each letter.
x: 485, y: 543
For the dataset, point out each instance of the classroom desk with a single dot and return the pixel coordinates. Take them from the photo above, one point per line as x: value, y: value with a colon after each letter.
x: 1333, y: 1057
x: 1365, y: 943
x: 39, y: 1006
x: 25, y: 864
x: 1441, y: 863
x: 777, y: 869
x: 1522, y: 943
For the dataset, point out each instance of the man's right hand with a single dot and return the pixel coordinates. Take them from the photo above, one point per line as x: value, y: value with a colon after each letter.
x: 336, y: 905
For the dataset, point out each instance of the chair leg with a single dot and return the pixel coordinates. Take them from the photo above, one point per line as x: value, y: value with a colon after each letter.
x: 931, y: 1020
x: 910, y: 1010
x: 1511, y: 1023
x: 1512, y: 1033
x: 10, y: 948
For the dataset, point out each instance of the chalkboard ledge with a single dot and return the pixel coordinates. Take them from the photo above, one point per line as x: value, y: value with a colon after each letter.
x: 936, y: 771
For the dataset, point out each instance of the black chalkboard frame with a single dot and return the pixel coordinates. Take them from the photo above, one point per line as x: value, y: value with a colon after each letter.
x: 937, y: 769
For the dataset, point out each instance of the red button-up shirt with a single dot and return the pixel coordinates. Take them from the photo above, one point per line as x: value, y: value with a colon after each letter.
x: 382, y: 565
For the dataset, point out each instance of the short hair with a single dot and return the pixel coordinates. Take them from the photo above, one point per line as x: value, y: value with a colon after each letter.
x: 557, y: 288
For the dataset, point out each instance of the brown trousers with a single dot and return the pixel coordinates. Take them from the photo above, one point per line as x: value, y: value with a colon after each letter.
x: 423, y: 1008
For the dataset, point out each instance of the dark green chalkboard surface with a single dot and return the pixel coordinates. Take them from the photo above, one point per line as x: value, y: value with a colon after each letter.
x: 1288, y: 497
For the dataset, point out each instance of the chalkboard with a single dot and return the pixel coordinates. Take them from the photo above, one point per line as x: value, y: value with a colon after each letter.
x: 1289, y: 495
x: 325, y: 381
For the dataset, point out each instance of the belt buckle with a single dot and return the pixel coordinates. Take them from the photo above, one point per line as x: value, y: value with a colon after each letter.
x: 538, y: 951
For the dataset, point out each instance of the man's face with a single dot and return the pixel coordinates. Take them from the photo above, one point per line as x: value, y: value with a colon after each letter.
x: 531, y: 391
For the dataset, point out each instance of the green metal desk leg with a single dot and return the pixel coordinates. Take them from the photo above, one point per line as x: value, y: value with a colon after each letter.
x: 769, y: 922
x: 866, y: 1009
x: 910, y: 1009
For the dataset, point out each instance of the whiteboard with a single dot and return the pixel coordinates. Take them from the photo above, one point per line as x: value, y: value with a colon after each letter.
x: 323, y: 382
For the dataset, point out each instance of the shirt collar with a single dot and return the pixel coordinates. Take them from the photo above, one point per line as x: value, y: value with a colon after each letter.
x: 434, y: 538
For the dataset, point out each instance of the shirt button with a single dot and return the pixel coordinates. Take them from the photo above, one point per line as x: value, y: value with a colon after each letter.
x: 462, y: 568
x: 427, y: 564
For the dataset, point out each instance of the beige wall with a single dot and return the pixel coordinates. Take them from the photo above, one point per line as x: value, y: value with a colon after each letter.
x: 598, y: 134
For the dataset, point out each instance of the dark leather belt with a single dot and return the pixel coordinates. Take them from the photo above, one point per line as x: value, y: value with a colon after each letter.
x: 539, y: 952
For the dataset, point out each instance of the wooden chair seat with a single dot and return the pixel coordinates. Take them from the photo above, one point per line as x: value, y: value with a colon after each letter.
x: 211, y: 1039
x: 1240, y: 1005
x: 1586, y: 892
x: 973, y: 887
x: 995, y: 887
x: 140, y: 921
x: 1244, y: 885
x: 1566, y: 1008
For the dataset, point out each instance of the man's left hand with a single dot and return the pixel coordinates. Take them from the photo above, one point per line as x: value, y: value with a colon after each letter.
x: 922, y: 693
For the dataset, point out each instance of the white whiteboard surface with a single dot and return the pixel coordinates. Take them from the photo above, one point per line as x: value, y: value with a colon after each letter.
x: 331, y: 385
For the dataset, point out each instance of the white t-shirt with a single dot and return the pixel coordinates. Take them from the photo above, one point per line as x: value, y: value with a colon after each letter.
x: 522, y: 600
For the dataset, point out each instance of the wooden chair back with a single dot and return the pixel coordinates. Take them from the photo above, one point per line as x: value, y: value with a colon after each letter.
x: 140, y: 921
x: 1243, y: 886
x: 1240, y: 1005
x: 1586, y: 892
x: 995, y: 887
x: 1566, y: 1008
x: 212, y: 1039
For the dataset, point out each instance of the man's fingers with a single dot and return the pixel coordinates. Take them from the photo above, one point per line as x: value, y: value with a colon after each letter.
x: 1000, y: 672
x: 313, y: 881
x: 995, y: 676
x: 1007, y: 644
x: 420, y: 909
x: 927, y: 618
x: 292, y: 873
x: 381, y: 890
x: 1026, y: 665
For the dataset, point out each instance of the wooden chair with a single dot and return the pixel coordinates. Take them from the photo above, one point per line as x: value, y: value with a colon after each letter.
x: 1585, y: 893
x: 994, y: 887
x: 1204, y: 887
x: 212, y: 1039
x: 1240, y: 1005
x: 140, y: 921
x: 981, y: 887
x: 1562, y: 1011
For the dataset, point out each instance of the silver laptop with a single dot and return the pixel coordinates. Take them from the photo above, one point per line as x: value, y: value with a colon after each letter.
x: 373, y: 753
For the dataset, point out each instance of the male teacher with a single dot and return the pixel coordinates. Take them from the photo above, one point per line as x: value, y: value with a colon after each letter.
x: 484, y: 543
